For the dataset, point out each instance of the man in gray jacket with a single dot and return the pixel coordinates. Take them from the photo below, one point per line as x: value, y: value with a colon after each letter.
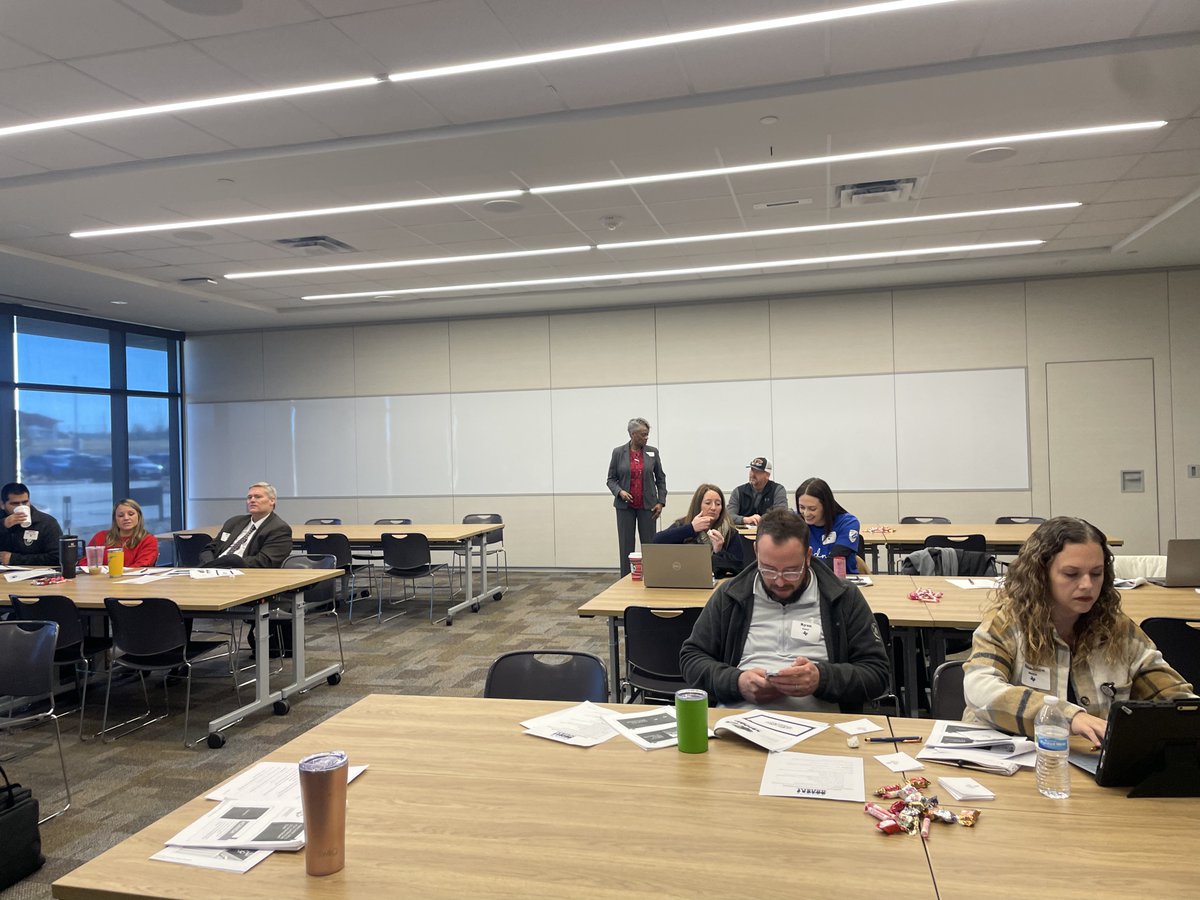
x: 787, y: 634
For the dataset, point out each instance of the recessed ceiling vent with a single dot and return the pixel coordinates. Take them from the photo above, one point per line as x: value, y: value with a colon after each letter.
x: 873, y: 193
x: 315, y: 245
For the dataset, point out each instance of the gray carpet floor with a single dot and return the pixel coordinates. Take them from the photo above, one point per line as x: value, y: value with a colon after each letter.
x: 120, y: 787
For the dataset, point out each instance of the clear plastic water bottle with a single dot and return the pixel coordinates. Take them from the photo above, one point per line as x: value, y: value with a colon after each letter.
x: 1053, y: 731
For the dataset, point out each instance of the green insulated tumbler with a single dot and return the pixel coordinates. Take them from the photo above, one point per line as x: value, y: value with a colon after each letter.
x: 691, y: 720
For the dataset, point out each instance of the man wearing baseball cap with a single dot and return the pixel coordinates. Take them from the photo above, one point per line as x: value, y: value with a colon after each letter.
x: 748, y: 503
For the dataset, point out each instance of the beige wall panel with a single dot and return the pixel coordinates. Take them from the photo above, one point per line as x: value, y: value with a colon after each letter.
x: 298, y: 510
x: 224, y: 367
x: 528, y: 525
x: 585, y: 533
x: 316, y: 362
x: 435, y: 510
x: 1104, y: 317
x: 602, y: 349
x: 841, y: 334
x: 206, y: 515
x: 500, y: 354
x: 402, y: 359
x: 960, y: 327
x: 700, y: 343
x: 1185, y: 389
x: 968, y: 507
x: 869, y: 506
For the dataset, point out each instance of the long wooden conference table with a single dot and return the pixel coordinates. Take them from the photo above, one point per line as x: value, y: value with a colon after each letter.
x: 458, y: 802
x: 216, y: 598
x: 466, y: 539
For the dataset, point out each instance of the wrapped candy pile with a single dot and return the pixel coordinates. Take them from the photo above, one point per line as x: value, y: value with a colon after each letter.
x: 911, y: 811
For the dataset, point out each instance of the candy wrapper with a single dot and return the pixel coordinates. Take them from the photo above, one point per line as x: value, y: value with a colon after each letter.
x: 913, y: 812
x: 968, y: 817
x: 926, y: 595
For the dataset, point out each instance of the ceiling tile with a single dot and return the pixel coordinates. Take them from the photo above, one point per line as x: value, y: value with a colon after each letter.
x: 253, y: 15
x: 13, y: 55
x: 164, y: 74
x: 1165, y: 165
x: 51, y: 90
x: 63, y: 29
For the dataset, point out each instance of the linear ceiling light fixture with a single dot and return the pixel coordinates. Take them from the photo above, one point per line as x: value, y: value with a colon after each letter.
x: 532, y: 59
x: 187, y: 105
x: 671, y: 273
x: 666, y: 40
x: 656, y: 242
x: 720, y: 171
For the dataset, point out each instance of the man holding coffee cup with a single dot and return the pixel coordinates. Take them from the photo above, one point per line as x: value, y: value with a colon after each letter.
x: 30, y: 536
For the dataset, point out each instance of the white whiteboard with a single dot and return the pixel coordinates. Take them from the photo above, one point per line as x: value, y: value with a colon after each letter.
x: 501, y: 443
x: 966, y: 430
x: 841, y: 429
x: 403, y: 445
x: 588, y: 423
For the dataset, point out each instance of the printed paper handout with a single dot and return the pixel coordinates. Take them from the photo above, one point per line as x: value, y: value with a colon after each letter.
x: 245, y: 825
x: 584, y: 725
x: 771, y: 731
x: 650, y: 730
x: 973, y: 746
x: 813, y: 777
x: 231, y: 860
x: 269, y: 782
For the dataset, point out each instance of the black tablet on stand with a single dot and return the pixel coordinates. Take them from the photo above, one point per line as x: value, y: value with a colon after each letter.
x: 1153, y: 746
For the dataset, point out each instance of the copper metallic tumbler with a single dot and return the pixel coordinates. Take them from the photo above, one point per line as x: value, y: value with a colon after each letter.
x: 323, y: 794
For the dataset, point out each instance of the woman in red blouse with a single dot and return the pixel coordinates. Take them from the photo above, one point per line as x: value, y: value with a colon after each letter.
x: 639, y: 488
x: 128, y: 532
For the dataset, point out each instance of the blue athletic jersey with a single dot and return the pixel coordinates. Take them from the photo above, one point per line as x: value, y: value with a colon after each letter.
x: 843, y: 533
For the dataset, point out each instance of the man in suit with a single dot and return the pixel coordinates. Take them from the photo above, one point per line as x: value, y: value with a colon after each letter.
x: 639, y: 488
x: 258, y: 540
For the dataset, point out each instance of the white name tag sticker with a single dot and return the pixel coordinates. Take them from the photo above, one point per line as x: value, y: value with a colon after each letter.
x: 829, y: 538
x: 1036, y: 677
x: 30, y: 537
x: 224, y: 535
x: 807, y: 630
x: 649, y: 452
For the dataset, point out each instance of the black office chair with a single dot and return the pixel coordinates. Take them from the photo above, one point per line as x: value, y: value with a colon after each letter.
x: 884, y: 624
x: 976, y: 542
x: 407, y: 557
x: 369, y: 558
x: 522, y: 675
x: 653, y: 638
x: 924, y: 520
x: 948, y: 701
x: 338, y: 546
x: 1179, y: 642
x: 487, y: 541
x: 332, y: 521
x: 188, y: 545
x: 1019, y: 520
x: 320, y: 599
x: 73, y: 645
x: 149, y: 636
x: 27, y: 670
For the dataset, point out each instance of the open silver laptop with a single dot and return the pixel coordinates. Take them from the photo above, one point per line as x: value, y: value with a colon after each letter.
x: 1183, y: 563
x: 677, y: 565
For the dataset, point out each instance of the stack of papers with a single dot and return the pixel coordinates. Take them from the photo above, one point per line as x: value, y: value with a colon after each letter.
x: 978, y: 747
x: 585, y: 725
x: 976, y: 583
x: 965, y: 789
x: 770, y: 731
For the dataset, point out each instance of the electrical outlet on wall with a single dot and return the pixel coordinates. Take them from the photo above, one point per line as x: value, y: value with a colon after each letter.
x: 1193, y: 471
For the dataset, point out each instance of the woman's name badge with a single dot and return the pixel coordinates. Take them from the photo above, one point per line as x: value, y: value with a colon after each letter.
x: 1036, y: 677
x: 649, y: 452
x: 807, y: 630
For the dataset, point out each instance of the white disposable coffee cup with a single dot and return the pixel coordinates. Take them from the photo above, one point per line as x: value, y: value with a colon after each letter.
x: 26, y: 516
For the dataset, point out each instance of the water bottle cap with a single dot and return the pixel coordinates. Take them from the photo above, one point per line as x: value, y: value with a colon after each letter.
x: 1051, y: 700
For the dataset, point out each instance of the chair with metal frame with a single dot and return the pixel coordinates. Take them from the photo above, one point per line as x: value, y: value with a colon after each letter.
x: 976, y: 542
x: 149, y: 636
x: 924, y: 520
x: 188, y: 545
x: 1179, y: 642
x: 73, y: 646
x: 320, y: 599
x: 653, y: 638
x: 884, y: 624
x: 370, y: 558
x: 330, y: 521
x: 407, y: 557
x: 521, y: 675
x: 948, y: 701
x: 338, y: 545
x: 485, y: 541
x: 27, y: 670
x: 1019, y: 520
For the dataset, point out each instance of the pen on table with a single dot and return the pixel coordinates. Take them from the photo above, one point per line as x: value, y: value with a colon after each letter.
x: 910, y: 739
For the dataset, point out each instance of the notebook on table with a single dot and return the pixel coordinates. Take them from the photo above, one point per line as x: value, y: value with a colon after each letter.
x: 677, y: 565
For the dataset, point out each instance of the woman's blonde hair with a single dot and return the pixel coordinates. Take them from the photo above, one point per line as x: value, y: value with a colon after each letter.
x: 724, y: 524
x: 1026, y: 598
x: 113, y: 538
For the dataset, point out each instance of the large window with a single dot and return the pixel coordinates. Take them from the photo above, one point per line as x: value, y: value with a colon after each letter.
x: 97, y: 410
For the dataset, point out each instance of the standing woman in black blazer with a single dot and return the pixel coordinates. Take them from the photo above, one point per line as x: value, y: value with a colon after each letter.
x: 639, y: 488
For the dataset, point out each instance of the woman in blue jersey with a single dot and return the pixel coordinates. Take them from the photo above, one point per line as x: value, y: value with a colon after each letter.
x: 831, y: 530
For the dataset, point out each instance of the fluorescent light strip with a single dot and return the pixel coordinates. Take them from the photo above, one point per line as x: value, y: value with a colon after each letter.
x: 298, y: 214
x: 1089, y: 131
x: 668, y: 273
x: 664, y: 40
x: 849, y: 157
x: 431, y: 261
x: 185, y: 105
x: 658, y: 242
